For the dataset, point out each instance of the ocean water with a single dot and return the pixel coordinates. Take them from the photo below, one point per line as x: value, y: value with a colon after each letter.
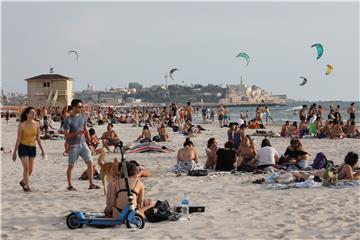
x: 280, y: 115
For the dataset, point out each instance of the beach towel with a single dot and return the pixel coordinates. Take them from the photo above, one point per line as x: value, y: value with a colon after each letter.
x: 312, y: 184
x: 149, y: 147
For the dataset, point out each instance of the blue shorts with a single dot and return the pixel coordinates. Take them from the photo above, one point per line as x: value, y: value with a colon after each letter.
x: 26, y: 151
x: 77, y: 150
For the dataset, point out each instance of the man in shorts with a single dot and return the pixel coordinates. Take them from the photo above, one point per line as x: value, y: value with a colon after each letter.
x: 75, y: 132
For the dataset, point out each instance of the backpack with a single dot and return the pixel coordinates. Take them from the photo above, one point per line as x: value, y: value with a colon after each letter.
x: 161, y: 212
x: 320, y: 161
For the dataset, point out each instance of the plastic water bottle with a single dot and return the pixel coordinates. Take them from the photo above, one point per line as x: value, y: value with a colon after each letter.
x: 185, y: 202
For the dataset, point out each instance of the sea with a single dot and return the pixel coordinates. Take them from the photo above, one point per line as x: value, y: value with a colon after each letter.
x: 290, y: 112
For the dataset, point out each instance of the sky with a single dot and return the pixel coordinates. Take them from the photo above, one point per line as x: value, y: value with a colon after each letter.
x: 122, y: 42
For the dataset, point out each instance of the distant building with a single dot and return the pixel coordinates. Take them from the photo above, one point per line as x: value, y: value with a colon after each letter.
x: 53, y: 90
x: 135, y: 85
x: 244, y: 94
x: 100, y: 97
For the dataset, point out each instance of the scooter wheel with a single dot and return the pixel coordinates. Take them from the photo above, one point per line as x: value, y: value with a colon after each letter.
x: 71, y: 221
x: 140, y: 222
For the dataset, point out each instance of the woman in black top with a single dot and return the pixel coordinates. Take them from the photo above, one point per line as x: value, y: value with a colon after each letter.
x: 226, y: 158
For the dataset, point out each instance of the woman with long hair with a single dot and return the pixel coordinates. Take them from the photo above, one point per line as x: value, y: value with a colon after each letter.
x: 28, y: 135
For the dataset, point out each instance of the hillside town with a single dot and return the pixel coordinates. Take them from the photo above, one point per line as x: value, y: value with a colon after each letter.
x: 56, y: 90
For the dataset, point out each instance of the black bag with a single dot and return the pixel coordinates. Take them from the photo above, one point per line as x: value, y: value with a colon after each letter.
x: 198, y: 172
x: 161, y: 212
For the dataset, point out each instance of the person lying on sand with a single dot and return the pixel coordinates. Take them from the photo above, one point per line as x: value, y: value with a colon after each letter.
x: 117, y: 199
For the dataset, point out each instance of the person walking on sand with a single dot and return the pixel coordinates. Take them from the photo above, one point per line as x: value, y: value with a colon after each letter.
x: 74, y: 131
x: 7, y: 116
x: 268, y: 115
x: 27, y: 136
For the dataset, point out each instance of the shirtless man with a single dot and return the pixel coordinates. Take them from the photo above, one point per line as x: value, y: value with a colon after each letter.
x: 302, y: 113
x: 351, y: 111
x: 109, y: 137
x: 189, y: 110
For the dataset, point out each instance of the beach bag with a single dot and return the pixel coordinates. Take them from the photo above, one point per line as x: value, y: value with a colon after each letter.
x: 320, y: 161
x: 161, y: 212
x: 156, y: 139
x: 198, y: 172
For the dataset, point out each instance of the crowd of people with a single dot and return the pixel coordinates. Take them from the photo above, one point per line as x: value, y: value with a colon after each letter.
x: 238, y: 154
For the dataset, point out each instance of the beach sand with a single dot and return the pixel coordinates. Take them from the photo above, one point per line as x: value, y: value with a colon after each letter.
x: 235, y: 208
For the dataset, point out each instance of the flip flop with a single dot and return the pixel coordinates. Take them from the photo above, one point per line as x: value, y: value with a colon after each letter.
x: 22, y: 184
x: 94, y: 187
x: 71, y: 188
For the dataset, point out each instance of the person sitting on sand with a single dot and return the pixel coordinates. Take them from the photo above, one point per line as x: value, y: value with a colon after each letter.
x: 94, y: 142
x: 145, y: 135
x: 319, y: 124
x: 266, y: 156
x: 293, y: 130
x: 211, y: 150
x: 226, y: 158
x: 325, y: 130
x: 109, y: 138
x: 163, y: 133
x: 352, y: 131
x: 295, y: 155
x: 336, y: 130
x: 285, y: 129
x: 303, y: 129
x: 189, y: 128
x: 345, y: 171
x: 117, y: 199
x: 187, y: 157
x: 246, y: 155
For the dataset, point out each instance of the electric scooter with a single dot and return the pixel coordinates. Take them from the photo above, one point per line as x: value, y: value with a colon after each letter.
x: 77, y: 219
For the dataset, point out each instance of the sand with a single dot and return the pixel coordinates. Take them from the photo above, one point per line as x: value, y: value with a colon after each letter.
x: 235, y: 208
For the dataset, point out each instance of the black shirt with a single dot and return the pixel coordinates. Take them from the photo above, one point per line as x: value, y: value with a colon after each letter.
x: 225, y: 159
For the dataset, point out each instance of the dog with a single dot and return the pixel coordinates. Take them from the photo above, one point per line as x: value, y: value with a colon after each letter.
x: 108, y: 170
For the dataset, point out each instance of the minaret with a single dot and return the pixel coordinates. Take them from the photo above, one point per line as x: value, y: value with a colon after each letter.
x: 241, y: 81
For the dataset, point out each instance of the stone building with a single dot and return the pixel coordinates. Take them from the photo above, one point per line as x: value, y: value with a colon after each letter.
x: 52, y: 90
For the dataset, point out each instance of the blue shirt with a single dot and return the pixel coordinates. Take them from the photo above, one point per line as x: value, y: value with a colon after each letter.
x: 75, y: 124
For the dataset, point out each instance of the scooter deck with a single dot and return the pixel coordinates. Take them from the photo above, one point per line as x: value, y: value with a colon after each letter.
x: 192, y: 209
